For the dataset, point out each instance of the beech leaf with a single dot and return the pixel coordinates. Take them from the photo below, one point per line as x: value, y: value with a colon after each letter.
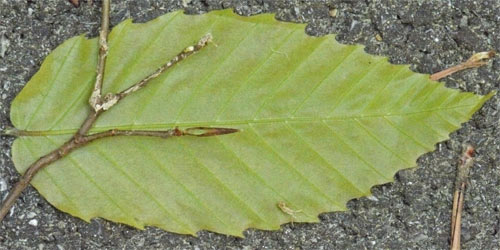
x: 320, y: 124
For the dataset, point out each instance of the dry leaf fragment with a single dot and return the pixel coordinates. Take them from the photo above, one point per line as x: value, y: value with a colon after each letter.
x: 285, y: 209
x: 333, y: 12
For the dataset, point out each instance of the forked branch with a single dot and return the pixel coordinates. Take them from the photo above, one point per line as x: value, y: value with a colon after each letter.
x: 110, y: 99
x: 99, y: 104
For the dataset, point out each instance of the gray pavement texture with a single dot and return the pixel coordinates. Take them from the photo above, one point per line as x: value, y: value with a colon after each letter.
x: 411, y: 213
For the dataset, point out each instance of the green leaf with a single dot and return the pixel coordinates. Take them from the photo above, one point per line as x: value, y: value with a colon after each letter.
x: 320, y: 124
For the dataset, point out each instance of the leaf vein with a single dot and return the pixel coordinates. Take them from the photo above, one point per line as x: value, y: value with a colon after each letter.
x: 207, y: 78
x: 294, y: 130
x: 221, y: 183
x: 376, y: 95
x: 52, y: 83
x: 154, y: 89
x: 236, y: 122
x: 251, y: 171
x: 222, y: 109
x: 72, y: 105
x: 446, y: 120
x: 333, y: 70
x: 356, y: 154
x: 372, y: 135
x: 408, y: 136
x: 46, y: 172
x: 353, y: 86
x: 144, y: 190
x: 127, y: 69
x: 292, y: 167
x: 411, y: 101
x: 164, y: 169
x: 91, y: 180
x: 292, y: 72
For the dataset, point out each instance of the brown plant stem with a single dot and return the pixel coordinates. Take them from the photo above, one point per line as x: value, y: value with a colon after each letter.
x: 31, y: 172
x: 201, y: 132
x: 111, y: 99
x: 87, y: 124
x: 476, y: 60
x: 464, y: 166
x: 95, y: 99
x: 181, y: 56
x: 99, y: 105
x: 74, y: 143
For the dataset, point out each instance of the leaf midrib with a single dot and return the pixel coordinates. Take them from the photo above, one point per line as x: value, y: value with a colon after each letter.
x: 238, y: 122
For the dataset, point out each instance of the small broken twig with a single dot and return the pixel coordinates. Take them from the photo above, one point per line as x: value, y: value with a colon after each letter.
x: 112, y: 100
x: 464, y: 166
x: 476, y: 60
x: 198, y: 131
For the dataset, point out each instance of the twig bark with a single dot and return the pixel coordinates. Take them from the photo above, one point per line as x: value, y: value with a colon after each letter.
x: 196, y: 131
x: 464, y: 166
x: 99, y: 105
x: 31, y: 172
x: 73, y: 144
x: 96, y: 96
x: 476, y: 60
x: 112, y: 99
x: 181, y: 56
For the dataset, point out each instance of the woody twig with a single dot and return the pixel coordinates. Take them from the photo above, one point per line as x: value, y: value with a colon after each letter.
x: 464, y: 166
x: 99, y: 104
x: 476, y: 60
x: 95, y: 99
x: 110, y: 100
